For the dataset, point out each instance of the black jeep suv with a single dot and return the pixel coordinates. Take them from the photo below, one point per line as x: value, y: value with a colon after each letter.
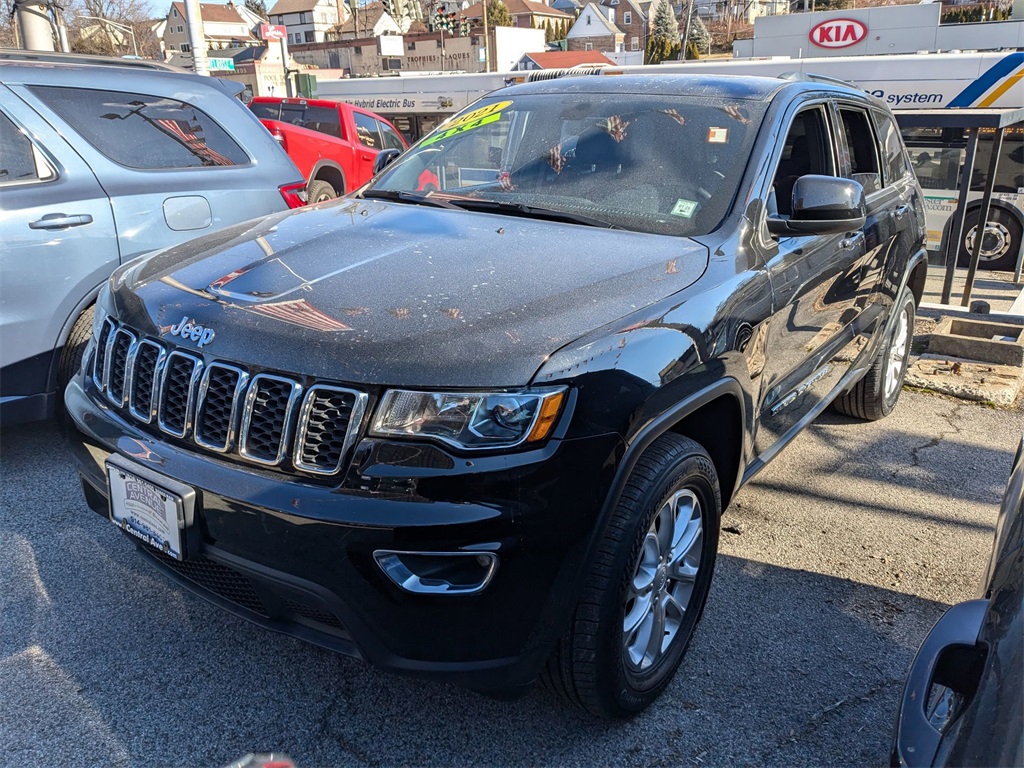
x: 479, y: 421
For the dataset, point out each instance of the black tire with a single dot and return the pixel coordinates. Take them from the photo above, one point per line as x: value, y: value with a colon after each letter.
x: 320, y: 191
x: 591, y: 663
x: 74, y: 348
x: 1001, y: 245
x: 877, y: 393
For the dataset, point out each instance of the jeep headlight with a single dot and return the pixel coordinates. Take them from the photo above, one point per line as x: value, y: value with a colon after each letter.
x: 470, y: 420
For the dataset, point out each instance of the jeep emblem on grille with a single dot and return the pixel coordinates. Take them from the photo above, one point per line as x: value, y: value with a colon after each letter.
x: 191, y: 331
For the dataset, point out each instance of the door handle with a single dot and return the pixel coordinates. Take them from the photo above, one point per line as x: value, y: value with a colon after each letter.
x: 61, y: 221
x: 851, y: 240
x: 900, y: 211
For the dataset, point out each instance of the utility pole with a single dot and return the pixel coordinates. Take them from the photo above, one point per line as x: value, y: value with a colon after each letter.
x: 35, y: 25
x: 196, y: 37
x: 487, y: 40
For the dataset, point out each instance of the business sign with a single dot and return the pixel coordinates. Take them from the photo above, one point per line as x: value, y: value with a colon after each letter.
x: 838, y: 33
x: 391, y: 45
x: 273, y: 32
x: 221, y: 64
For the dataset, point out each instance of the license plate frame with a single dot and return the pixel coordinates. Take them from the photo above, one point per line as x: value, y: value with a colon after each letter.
x: 154, y: 509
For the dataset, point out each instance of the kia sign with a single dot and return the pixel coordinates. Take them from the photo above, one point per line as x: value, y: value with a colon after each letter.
x: 273, y: 31
x: 838, y: 33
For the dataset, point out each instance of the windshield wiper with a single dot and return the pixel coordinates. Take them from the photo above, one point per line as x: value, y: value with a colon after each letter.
x: 522, y: 209
x: 407, y: 197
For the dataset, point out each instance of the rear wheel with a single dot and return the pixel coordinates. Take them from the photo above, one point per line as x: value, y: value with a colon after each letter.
x: 320, y: 191
x: 1000, y: 245
x: 648, y: 585
x: 875, y: 395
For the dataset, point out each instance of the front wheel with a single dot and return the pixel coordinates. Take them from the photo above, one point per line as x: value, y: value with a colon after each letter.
x: 648, y: 585
x: 1000, y: 244
x: 875, y: 395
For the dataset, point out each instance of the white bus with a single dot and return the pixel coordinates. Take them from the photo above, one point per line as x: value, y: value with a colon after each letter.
x: 417, y: 104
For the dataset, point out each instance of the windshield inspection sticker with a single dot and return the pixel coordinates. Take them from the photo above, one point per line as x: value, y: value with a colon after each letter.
x: 467, y: 122
x: 718, y: 135
x: 684, y: 208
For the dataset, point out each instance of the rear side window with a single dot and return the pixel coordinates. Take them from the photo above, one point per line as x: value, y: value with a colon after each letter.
x: 366, y: 130
x: 861, y: 149
x: 17, y: 159
x: 145, y: 132
x: 894, y: 159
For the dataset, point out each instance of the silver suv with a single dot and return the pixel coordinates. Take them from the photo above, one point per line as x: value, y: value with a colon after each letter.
x: 102, y: 161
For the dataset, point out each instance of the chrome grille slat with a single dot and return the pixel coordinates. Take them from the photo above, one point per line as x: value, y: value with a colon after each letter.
x: 220, y: 394
x: 118, y: 360
x: 99, y: 367
x: 328, y: 426
x: 148, y: 364
x: 263, y: 418
x: 177, y: 389
x: 267, y: 417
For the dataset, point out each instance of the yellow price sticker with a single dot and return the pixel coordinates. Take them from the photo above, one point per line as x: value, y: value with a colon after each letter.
x: 469, y: 121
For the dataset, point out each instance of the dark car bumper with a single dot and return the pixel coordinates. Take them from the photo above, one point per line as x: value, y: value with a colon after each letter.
x: 297, y: 556
x: 917, y: 739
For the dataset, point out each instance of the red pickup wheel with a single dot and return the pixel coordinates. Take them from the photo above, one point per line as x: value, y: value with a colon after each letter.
x: 319, y: 191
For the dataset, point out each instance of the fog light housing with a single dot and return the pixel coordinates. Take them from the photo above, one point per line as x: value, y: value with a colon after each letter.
x: 438, y: 573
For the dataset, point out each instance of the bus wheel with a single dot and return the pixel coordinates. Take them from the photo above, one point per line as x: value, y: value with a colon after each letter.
x: 1000, y: 245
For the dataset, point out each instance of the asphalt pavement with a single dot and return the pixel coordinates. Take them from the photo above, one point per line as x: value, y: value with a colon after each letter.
x: 835, y: 562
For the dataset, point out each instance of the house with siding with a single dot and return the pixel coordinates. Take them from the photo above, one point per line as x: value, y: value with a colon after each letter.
x: 224, y: 26
x: 307, y: 21
x: 595, y: 30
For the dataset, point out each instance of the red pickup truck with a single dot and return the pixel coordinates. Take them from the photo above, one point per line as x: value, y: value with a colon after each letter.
x: 333, y: 143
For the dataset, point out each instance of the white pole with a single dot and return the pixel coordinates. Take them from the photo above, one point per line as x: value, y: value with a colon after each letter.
x: 196, y: 38
x: 36, y: 30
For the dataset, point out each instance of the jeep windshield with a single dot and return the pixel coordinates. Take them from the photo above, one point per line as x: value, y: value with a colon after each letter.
x: 658, y: 164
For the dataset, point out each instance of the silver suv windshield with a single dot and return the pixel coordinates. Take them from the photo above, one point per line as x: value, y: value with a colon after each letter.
x: 660, y: 164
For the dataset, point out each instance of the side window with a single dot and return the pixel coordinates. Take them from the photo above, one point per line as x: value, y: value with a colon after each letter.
x: 861, y: 148
x: 391, y: 139
x: 366, y: 129
x: 807, y: 150
x: 20, y: 161
x: 894, y: 159
x: 145, y: 132
x: 323, y: 119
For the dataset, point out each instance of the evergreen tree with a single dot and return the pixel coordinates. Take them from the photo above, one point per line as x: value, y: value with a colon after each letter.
x: 549, y: 33
x: 497, y: 14
x: 665, y: 37
x: 699, y: 34
x: 665, y: 24
x: 258, y: 7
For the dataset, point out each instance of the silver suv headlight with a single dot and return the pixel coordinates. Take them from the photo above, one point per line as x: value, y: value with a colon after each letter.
x: 470, y: 420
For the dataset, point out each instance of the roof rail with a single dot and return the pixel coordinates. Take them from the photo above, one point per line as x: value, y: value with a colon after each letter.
x: 55, y: 57
x: 810, y: 77
x: 550, y: 74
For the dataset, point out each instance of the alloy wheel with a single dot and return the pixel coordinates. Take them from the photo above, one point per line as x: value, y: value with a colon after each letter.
x: 659, y: 593
x: 897, y: 355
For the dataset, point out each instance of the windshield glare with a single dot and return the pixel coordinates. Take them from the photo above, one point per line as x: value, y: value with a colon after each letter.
x: 660, y: 164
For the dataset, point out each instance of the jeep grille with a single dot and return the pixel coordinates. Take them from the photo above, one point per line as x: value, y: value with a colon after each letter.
x: 263, y: 418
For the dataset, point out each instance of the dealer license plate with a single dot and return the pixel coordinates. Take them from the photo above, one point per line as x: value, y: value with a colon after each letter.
x: 146, y: 511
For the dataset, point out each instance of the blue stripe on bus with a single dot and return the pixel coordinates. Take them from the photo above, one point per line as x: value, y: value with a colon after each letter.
x: 980, y: 87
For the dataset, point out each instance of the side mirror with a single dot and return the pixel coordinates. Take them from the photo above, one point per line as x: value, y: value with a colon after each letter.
x: 384, y: 158
x: 822, y: 205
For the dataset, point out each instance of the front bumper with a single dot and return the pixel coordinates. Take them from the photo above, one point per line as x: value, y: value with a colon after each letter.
x: 297, y: 556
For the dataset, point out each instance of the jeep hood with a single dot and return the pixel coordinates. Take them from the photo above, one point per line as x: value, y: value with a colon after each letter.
x: 373, y: 292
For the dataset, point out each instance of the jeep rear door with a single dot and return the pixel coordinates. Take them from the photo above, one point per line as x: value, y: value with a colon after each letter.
x: 59, y: 244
